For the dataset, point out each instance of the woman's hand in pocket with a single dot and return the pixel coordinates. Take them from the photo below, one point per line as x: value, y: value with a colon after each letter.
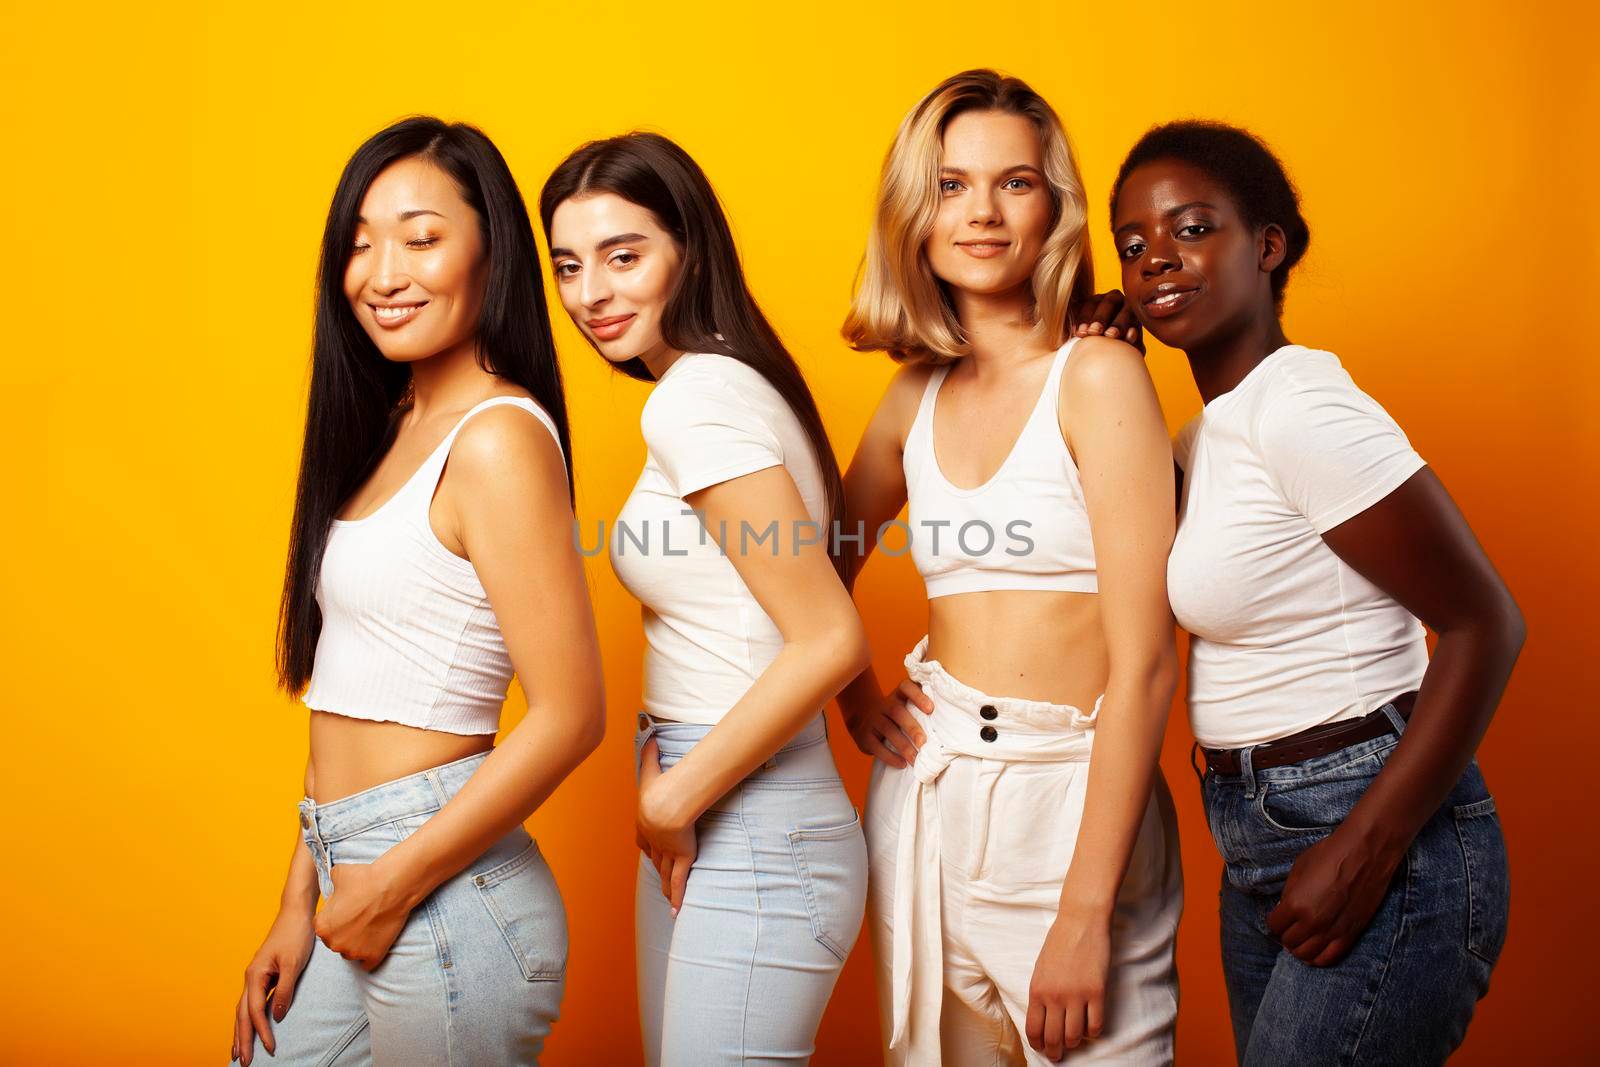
x: 363, y: 915
x: 661, y: 832
x: 890, y: 731
x: 274, y: 969
x: 1334, y: 888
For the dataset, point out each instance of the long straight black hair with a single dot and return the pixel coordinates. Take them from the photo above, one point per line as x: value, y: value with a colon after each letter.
x: 710, y: 308
x: 357, y: 396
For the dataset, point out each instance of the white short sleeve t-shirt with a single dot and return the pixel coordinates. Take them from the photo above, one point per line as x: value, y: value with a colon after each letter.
x: 1284, y: 634
x: 709, y: 418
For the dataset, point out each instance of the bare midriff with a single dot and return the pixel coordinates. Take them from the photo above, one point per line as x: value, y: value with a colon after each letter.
x: 349, y: 755
x: 1028, y: 643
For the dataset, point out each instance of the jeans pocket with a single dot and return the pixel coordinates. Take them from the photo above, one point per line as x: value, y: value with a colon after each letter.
x: 523, y: 900
x: 1318, y: 803
x: 1304, y: 809
x: 831, y: 862
x: 1319, y: 797
x: 1483, y: 851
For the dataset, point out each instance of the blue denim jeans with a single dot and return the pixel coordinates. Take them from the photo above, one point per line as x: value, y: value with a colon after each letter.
x: 773, y: 905
x: 476, y: 975
x: 1406, y: 991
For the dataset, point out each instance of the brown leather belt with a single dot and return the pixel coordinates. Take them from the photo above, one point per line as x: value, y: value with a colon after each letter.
x: 1308, y: 744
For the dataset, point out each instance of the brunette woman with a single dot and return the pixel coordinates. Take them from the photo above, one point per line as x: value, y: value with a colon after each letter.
x: 753, y: 875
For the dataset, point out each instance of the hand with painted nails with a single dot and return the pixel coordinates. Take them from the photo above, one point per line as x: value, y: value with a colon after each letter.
x: 272, y: 974
x: 1108, y: 314
x: 890, y: 731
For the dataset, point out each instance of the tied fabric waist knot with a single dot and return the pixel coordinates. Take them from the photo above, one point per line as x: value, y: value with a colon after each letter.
x: 1037, y: 732
x: 917, y: 889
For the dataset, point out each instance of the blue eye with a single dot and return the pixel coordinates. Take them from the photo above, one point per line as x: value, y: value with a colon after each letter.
x: 949, y: 185
x: 1025, y: 183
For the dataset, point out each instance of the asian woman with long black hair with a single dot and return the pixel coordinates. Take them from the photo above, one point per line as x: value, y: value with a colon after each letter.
x: 431, y: 557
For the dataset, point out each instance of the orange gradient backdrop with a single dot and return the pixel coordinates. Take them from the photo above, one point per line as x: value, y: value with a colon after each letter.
x: 167, y: 173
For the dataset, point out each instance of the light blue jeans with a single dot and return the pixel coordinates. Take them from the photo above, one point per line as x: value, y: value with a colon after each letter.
x: 773, y: 905
x: 476, y: 975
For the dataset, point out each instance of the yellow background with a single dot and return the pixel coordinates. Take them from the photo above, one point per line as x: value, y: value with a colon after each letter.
x: 166, y: 176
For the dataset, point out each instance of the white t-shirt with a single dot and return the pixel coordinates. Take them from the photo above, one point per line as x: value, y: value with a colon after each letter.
x: 708, y: 419
x: 1285, y: 635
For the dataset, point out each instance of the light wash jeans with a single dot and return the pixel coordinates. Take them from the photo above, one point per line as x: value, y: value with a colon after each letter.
x: 476, y: 975
x: 773, y: 905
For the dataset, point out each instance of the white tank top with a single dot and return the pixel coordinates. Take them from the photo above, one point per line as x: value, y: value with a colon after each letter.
x: 1025, y: 528
x: 408, y: 635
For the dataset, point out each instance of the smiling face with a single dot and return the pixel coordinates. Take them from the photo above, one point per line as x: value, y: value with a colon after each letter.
x: 417, y: 267
x: 615, y: 268
x: 995, y: 206
x: 1193, y: 269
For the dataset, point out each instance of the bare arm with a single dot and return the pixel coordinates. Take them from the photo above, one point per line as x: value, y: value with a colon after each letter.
x: 516, y: 523
x: 1116, y: 432
x: 513, y: 519
x: 274, y: 970
x: 875, y: 491
x: 1415, y: 545
x: 1119, y: 439
x: 824, y: 644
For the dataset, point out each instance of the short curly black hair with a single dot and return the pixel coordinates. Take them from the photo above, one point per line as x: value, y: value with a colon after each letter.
x: 1243, y: 165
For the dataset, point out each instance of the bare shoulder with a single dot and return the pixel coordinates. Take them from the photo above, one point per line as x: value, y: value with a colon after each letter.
x: 508, y: 443
x: 1106, y: 388
x: 898, y: 408
x: 1103, y: 364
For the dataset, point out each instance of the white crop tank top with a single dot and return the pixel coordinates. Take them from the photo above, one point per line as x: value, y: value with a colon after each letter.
x: 408, y: 635
x: 1027, y: 527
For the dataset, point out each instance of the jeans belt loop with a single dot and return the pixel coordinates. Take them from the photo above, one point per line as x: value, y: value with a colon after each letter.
x: 1247, y: 771
x: 432, y: 774
x: 647, y: 730
x: 1199, y: 770
x: 1395, y: 719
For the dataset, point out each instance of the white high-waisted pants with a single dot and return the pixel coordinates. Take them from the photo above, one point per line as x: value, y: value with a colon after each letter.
x: 967, y: 851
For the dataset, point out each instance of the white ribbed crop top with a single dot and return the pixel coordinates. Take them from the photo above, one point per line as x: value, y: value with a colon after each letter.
x: 1025, y: 528
x: 408, y: 635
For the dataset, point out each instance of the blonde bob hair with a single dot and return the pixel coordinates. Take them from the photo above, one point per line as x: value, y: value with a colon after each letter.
x: 899, y: 306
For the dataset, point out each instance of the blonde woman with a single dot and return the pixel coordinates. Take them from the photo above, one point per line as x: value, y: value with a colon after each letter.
x: 1024, y: 870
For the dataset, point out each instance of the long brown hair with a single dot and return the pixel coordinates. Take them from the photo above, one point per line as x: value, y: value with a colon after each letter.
x: 710, y: 308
